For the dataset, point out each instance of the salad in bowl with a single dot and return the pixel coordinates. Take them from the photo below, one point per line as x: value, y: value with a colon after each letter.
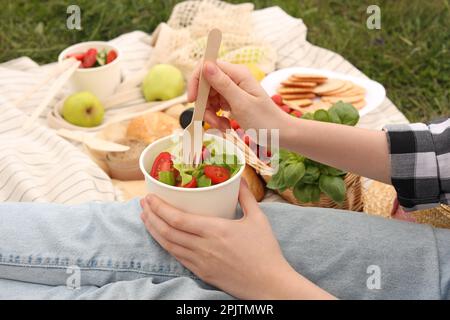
x: 211, y: 188
x: 216, y: 167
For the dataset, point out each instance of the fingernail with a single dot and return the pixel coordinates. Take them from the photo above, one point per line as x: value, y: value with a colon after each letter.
x: 211, y: 68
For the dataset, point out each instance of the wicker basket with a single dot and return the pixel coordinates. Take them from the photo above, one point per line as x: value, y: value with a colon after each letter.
x: 438, y: 217
x: 379, y: 200
x: 353, y: 199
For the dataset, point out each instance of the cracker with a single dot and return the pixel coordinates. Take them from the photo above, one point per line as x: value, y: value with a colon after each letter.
x: 349, y: 99
x: 299, y: 103
x: 298, y: 96
x: 359, y: 104
x: 316, y: 105
x: 316, y: 81
x: 285, y: 90
x: 349, y: 93
x: 309, y: 77
x: 298, y: 84
x: 348, y: 85
x: 322, y: 104
x: 329, y: 86
x: 353, y: 92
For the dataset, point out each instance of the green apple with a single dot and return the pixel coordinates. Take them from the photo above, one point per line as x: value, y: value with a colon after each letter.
x: 163, y: 82
x: 83, y: 109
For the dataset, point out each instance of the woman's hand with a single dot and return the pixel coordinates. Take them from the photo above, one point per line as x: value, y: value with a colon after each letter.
x: 234, y: 89
x: 241, y: 257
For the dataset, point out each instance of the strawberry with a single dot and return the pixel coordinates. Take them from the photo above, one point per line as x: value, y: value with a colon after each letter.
x: 90, y: 58
x: 277, y: 99
x: 78, y: 55
x: 112, y: 55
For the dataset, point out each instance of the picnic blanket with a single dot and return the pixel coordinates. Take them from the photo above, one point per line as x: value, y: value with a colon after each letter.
x: 38, y: 165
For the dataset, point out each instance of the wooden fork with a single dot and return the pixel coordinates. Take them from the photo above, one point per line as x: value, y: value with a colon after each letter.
x: 192, y: 138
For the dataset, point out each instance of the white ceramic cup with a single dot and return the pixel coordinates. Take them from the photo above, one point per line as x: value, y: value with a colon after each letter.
x: 217, y: 200
x: 101, y: 81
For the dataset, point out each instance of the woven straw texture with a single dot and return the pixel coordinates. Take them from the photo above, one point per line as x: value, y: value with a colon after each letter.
x: 438, y: 217
x: 353, y: 199
x: 379, y: 199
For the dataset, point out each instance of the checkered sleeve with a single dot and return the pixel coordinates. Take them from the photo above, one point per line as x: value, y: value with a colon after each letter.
x: 420, y: 163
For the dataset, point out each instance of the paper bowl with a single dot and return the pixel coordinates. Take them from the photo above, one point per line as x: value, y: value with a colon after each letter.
x: 218, y: 200
x: 101, y: 81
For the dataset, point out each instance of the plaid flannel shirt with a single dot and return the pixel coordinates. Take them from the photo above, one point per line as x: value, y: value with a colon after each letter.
x: 420, y: 163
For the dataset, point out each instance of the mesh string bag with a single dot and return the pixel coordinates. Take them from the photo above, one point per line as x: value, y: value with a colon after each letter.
x: 182, y: 40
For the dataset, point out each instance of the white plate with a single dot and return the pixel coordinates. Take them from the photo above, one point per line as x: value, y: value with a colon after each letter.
x: 375, y: 92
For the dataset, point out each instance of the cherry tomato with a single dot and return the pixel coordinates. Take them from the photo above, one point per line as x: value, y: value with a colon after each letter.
x: 217, y: 174
x: 296, y: 113
x: 234, y: 124
x: 191, y: 184
x: 247, y: 140
x: 90, y: 58
x: 163, y: 162
x: 263, y: 153
x: 111, y: 56
x: 277, y: 99
x: 285, y: 108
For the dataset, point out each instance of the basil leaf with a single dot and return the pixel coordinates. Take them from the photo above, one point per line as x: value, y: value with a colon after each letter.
x: 203, y: 181
x: 312, y: 173
x: 167, y: 177
x: 324, y: 170
x: 321, y: 115
x: 333, y: 171
x: 334, y: 117
x: 315, y: 192
x: 284, y: 154
x: 293, y: 173
x: 334, y: 187
x: 302, y: 193
x: 277, y: 180
x: 307, y: 192
x: 308, y: 116
x: 344, y: 113
x: 297, y: 157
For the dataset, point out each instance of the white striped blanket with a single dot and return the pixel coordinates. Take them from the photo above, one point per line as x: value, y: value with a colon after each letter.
x: 37, y: 165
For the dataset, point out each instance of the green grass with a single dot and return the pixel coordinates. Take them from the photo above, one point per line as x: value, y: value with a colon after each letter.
x: 409, y: 55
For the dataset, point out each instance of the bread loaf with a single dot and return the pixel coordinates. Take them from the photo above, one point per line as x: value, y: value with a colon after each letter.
x: 151, y: 126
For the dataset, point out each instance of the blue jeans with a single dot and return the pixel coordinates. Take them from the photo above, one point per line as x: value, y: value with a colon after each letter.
x: 105, y: 252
